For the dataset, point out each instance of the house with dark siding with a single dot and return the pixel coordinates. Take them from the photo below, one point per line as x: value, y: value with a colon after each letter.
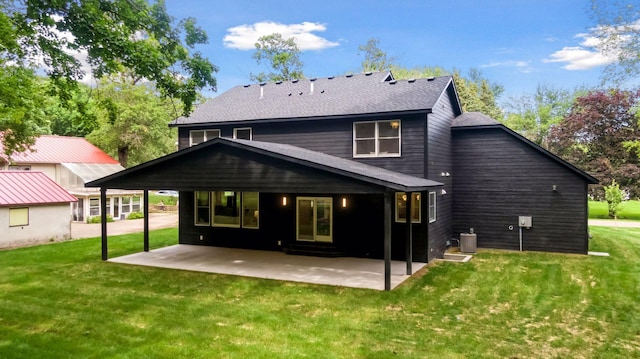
x: 361, y: 165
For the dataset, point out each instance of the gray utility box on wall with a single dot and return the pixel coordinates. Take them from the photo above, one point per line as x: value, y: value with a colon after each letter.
x: 468, y: 242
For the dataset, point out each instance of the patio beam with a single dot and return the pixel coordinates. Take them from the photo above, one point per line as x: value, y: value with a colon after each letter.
x: 409, y: 244
x: 103, y: 222
x: 145, y: 212
x: 387, y: 240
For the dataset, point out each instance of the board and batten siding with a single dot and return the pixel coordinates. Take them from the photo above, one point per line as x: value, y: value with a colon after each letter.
x: 498, y: 177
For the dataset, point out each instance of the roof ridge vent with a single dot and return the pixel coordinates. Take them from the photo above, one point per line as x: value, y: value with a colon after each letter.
x: 294, y: 80
x: 313, y: 79
x: 349, y: 75
x: 393, y: 82
x: 431, y: 78
x: 278, y: 82
x: 247, y: 85
x: 368, y: 73
x: 330, y: 77
x: 411, y: 80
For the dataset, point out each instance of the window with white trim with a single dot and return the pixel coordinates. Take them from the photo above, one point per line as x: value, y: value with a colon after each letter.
x: 18, y: 217
x: 199, y: 136
x: 203, y: 213
x: 401, y: 207
x: 242, y: 133
x: 94, y: 206
x: 432, y: 207
x: 376, y: 139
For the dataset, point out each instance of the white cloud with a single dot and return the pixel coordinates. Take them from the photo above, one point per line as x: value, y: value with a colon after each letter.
x: 244, y: 37
x: 522, y: 66
x: 584, y: 57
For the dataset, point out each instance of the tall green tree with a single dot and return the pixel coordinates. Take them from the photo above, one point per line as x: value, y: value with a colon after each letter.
x: 375, y: 59
x: 594, y: 134
x: 533, y: 115
x: 476, y: 92
x: 133, y: 124
x: 115, y: 34
x: 282, y: 56
x: 22, y: 117
x: 618, y: 33
x: 76, y: 116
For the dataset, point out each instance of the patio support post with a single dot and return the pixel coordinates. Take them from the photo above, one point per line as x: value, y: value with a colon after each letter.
x: 387, y: 241
x: 103, y: 221
x: 145, y: 211
x: 409, y: 244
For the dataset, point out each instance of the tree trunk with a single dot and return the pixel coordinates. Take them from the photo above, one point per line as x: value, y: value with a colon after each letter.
x: 123, y: 155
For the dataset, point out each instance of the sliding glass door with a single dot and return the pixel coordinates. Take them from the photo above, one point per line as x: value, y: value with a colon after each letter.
x: 314, y: 219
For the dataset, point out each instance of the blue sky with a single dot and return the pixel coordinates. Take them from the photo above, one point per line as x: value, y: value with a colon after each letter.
x: 518, y: 44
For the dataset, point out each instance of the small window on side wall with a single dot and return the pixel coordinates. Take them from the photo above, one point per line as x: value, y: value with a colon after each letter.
x: 18, y: 217
x: 242, y: 134
x: 432, y: 207
x: 401, y: 207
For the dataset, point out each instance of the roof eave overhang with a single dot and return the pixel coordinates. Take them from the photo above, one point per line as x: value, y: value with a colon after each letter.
x: 309, y: 118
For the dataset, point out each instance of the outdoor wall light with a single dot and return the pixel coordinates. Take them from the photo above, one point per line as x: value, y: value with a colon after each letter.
x: 443, y: 192
x: 284, y: 200
x: 344, y: 202
x: 554, y: 188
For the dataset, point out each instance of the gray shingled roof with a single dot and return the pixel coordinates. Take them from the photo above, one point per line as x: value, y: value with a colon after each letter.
x: 473, y: 119
x: 324, y: 97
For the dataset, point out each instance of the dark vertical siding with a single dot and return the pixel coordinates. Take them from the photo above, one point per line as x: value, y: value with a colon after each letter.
x: 498, y: 178
x: 439, y: 160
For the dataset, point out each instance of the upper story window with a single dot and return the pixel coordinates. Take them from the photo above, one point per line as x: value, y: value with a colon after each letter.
x: 432, y: 207
x: 242, y: 134
x: 376, y: 139
x: 199, y: 136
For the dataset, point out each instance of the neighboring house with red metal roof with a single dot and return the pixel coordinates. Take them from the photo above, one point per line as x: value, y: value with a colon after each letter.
x: 33, y: 209
x: 71, y: 162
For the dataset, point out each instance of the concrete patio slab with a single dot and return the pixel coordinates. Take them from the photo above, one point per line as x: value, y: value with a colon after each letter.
x: 342, y: 271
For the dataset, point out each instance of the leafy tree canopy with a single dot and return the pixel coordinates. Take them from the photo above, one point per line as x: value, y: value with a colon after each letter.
x: 594, y: 134
x: 283, y: 57
x: 618, y: 35
x: 133, y: 121
x: 374, y: 58
x: 133, y: 34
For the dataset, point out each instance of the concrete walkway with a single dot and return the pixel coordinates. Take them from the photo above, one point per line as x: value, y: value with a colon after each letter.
x: 342, y: 271
x: 156, y: 221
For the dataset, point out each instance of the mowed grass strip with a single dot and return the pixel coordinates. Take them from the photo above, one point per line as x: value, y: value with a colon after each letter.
x: 61, y: 301
x: 629, y: 210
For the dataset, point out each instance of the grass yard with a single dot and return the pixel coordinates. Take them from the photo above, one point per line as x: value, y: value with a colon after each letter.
x: 61, y: 301
x: 628, y: 210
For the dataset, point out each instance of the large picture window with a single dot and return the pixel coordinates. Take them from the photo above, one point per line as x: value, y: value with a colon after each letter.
x: 376, y: 139
x: 199, y: 136
x: 18, y: 217
x: 401, y: 207
x: 226, y: 209
x: 202, y: 208
x: 432, y: 207
x: 94, y: 206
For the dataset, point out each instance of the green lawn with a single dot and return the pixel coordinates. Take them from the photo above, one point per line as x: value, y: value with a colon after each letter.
x: 61, y: 301
x: 628, y: 210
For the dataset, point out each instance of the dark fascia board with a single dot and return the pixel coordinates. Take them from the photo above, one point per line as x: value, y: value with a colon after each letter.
x: 232, y: 143
x: 588, y: 178
x: 293, y: 119
x: 453, y: 94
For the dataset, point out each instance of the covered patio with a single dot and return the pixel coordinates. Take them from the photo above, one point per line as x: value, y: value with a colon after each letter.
x: 226, y: 164
x: 343, y: 271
